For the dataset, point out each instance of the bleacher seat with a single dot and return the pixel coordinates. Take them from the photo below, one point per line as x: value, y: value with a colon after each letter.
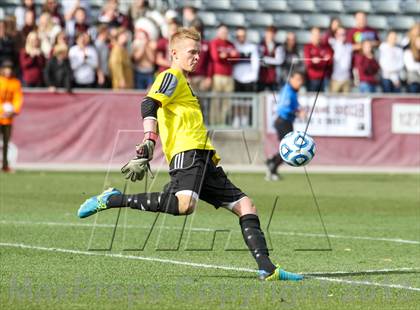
x: 303, y: 36
x: 377, y: 22
x: 194, y: 3
x: 232, y: 19
x: 219, y: 5
x: 209, y: 33
x: 96, y: 4
x: 253, y: 36
x: 317, y: 20
x: 280, y: 36
x: 274, y: 6
x: 387, y: 7
x: 302, y: 6
x: 12, y: 2
x: 347, y: 21
x: 411, y: 7
x: 354, y: 6
x: 402, y: 23
x: 260, y: 19
x: 248, y: 5
x: 208, y: 18
x: 289, y: 20
x: 330, y: 6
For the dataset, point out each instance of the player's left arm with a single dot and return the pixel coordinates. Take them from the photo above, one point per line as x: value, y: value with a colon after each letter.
x: 160, y: 94
x: 137, y: 167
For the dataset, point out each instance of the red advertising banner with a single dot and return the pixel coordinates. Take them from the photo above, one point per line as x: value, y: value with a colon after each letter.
x: 103, y: 128
x: 383, y: 148
x: 78, y: 128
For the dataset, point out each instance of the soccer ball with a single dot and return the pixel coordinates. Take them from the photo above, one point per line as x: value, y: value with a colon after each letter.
x: 297, y: 148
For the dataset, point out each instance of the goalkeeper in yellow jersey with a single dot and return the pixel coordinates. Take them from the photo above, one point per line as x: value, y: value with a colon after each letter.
x: 193, y: 161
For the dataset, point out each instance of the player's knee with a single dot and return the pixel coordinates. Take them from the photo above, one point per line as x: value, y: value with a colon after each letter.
x: 186, y: 204
x: 245, y: 206
x: 186, y: 208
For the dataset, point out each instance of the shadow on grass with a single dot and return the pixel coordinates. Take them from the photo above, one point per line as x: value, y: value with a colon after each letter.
x: 361, y: 273
x: 220, y: 276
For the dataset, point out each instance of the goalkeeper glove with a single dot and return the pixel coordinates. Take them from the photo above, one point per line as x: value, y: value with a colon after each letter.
x: 136, y: 168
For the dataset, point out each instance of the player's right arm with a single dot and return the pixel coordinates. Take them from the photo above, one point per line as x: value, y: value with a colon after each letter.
x: 159, y: 95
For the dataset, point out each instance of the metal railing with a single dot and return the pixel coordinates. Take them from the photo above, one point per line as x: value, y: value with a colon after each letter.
x: 230, y: 110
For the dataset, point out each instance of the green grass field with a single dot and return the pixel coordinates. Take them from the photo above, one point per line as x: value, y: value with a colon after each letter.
x: 50, y: 259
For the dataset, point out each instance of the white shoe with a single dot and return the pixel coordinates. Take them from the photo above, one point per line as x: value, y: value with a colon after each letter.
x: 236, y: 122
x: 269, y: 176
x: 244, y: 121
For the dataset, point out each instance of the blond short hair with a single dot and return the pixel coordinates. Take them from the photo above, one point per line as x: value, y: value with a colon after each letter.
x: 184, y: 33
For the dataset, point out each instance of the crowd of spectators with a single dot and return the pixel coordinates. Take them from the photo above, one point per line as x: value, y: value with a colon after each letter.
x: 64, y: 46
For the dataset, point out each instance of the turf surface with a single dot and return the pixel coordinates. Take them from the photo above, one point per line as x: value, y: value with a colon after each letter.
x: 365, y: 214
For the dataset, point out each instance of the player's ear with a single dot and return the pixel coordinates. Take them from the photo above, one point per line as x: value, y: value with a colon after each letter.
x: 173, y: 53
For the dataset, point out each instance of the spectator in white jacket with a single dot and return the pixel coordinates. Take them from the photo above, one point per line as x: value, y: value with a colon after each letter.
x: 84, y: 62
x: 391, y: 63
x: 341, y: 75
x: 245, y: 74
x: 412, y: 65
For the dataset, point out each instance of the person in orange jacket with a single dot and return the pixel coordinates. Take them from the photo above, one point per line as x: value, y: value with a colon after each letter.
x: 10, y: 105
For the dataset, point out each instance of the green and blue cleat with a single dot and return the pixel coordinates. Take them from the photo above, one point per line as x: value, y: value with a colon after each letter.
x: 96, y: 203
x: 279, y: 275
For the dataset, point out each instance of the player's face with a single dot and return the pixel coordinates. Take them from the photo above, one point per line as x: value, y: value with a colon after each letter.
x: 186, y: 54
x: 7, y: 72
x: 296, y: 81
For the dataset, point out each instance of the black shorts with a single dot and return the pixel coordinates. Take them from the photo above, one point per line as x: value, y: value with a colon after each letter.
x: 283, y: 127
x: 194, y: 170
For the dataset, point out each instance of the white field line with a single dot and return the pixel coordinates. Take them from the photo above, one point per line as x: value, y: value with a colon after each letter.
x: 199, y: 265
x: 285, y: 233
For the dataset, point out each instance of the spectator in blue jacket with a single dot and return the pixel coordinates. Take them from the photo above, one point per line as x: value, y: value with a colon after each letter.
x: 287, y: 110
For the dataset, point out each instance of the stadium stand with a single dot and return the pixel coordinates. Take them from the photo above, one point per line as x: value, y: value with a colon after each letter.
x: 317, y: 20
x: 298, y: 16
x: 330, y: 6
x: 302, y: 6
x: 357, y: 6
x: 377, y: 22
x: 249, y: 5
x: 274, y: 6
x: 289, y: 21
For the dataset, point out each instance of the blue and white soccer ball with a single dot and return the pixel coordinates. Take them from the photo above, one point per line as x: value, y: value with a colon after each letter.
x: 297, y: 148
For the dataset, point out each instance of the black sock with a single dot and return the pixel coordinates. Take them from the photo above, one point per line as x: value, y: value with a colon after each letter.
x: 255, y: 240
x: 153, y: 202
x: 276, y: 162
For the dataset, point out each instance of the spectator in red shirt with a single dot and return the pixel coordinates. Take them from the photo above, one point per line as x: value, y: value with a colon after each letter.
x: 362, y: 33
x: 200, y: 79
x: 272, y: 58
x: 318, y: 62
x: 222, y: 52
x: 163, y: 58
x: 366, y: 68
x: 32, y: 62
